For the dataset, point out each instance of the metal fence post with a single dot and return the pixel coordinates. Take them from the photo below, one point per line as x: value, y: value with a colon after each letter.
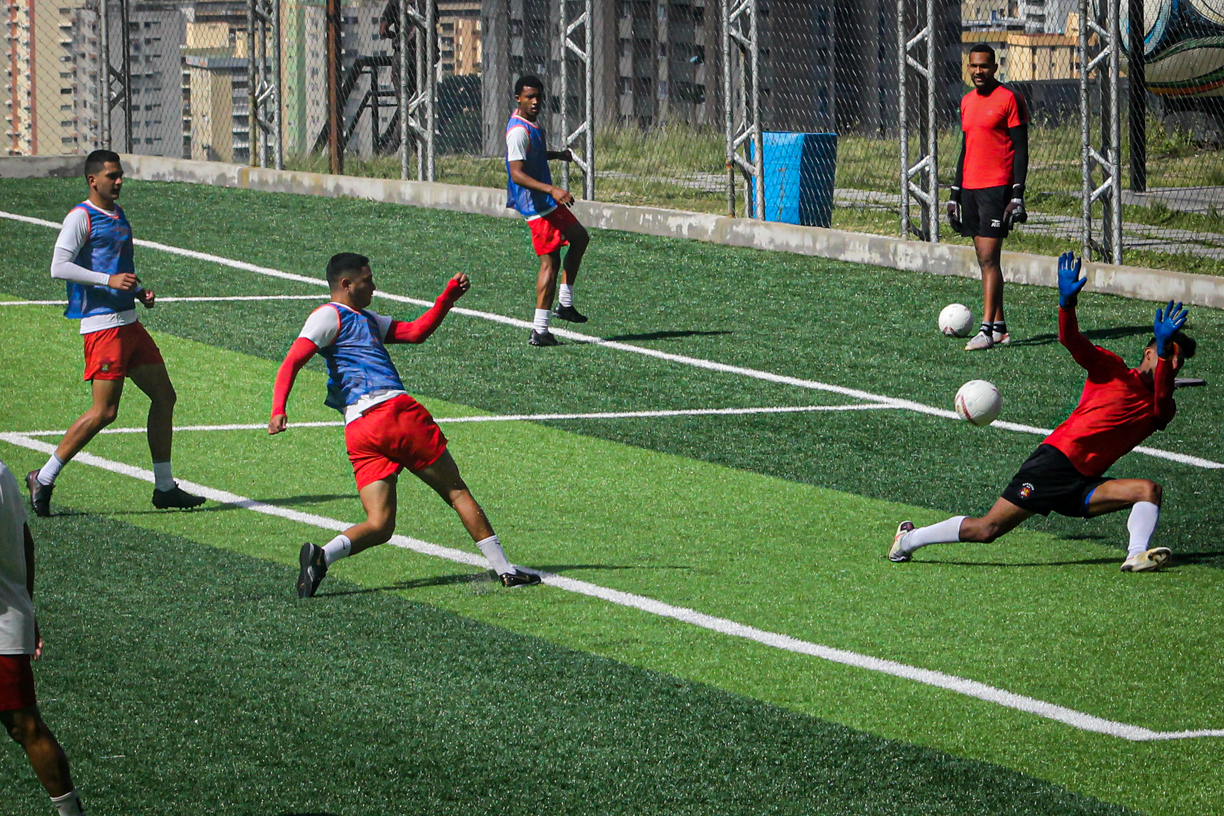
x: 585, y: 158
x: 927, y: 193
x: 420, y: 117
x: 112, y: 95
x: 405, y: 130
x: 263, y: 82
x: 740, y: 26
x: 1110, y: 157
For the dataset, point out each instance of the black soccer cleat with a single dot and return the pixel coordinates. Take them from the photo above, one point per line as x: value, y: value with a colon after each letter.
x: 518, y: 579
x: 40, y: 494
x: 314, y: 567
x: 543, y: 338
x: 569, y: 313
x: 175, y: 499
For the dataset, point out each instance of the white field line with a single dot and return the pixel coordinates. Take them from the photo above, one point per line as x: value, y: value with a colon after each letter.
x: 695, y: 362
x: 257, y: 426
x: 160, y: 300
x: 959, y: 685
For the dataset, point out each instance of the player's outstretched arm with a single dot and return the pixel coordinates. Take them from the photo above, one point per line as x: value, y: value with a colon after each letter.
x: 1168, y: 322
x: 1069, y: 285
x: 418, y: 331
x: 301, y: 351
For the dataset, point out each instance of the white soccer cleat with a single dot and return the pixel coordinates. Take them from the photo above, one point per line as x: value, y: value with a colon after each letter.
x: 1000, y: 338
x: 897, y: 552
x: 979, y: 342
x: 1148, y: 560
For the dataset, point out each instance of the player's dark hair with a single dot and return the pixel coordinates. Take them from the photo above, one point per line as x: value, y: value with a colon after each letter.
x: 343, y: 263
x: 1186, y: 344
x: 983, y: 48
x: 96, y: 160
x: 528, y: 81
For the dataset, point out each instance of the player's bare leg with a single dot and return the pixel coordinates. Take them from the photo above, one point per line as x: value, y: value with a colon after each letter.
x: 1002, y: 518
x: 443, y: 476
x: 154, y: 381
x: 578, y: 239
x: 1143, y: 497
x: 546, y: 291
x: 50, y: 763
x: 379, y: 500
x: 989, y: 252
x: 105, y: 409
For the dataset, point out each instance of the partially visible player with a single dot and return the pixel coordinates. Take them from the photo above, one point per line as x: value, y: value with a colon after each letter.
x: 988, y: 193
x: 1119, y: 408
x: 21, y: 643
x: 530, y: 190
x: 93, y: 255
x: 385, y: 430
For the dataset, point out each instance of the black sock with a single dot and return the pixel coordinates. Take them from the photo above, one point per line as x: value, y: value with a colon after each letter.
x: 1000, y: 327
x: 986, y: 329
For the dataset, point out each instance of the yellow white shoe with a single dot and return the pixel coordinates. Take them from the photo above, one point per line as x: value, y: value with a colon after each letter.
x: 980, y: 342
x: 1148, y: 560
x: 896, y: 553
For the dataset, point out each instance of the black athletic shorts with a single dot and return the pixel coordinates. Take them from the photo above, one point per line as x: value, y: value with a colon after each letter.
x: 982, y: 211
x: 1047, y: 481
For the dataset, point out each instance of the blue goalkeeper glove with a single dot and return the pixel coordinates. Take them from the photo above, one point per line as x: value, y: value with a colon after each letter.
x: 1169, y: 321
x: 1069, y: 281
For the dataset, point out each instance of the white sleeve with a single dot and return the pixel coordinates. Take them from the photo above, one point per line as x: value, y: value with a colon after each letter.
x: 518, y: 142
x: 384, y: 325
x: 322, y: 326
x: 73, y: 236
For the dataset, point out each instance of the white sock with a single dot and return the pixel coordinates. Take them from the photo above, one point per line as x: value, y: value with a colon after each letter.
x: 50, y: 470
x: 1142, y: 523
x: 69, y: 804
x: 566, y: 294
x: 542, y: 316
x: 163, y: 479
x: 339, y: 547
x: 492, y: 550
x: 945, y: 532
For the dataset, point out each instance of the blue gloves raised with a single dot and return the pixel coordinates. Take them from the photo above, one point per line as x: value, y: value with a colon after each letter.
x: 1168, y: 321
x: 1069, y: 280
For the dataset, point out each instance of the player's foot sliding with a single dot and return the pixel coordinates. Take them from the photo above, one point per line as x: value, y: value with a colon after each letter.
x: 897, y: 552
x: 1147, y: 561
x: 518, y: 579
x: 313, y: 568
x: 569, y: 313
x: 175, y: 499
x: 40, y: 494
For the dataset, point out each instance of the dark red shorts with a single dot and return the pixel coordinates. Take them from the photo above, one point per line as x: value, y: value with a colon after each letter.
x: 16, y: 683
x: 111, y: 353
x: 548, y: 231
x: 391, y: 436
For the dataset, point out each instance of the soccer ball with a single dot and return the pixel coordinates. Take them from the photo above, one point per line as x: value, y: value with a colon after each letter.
x: 955, y: 320
x: 978, y: 402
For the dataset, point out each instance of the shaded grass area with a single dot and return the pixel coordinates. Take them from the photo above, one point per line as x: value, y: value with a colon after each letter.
x: 180, y: 677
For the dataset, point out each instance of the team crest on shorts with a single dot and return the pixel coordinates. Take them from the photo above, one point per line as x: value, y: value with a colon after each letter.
x: 1026, y: 490
x: 104, y: 368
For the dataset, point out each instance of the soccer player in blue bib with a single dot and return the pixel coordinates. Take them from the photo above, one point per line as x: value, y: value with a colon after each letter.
x: 529, y: 189
x: 385, y: 430
x: 93, y: 256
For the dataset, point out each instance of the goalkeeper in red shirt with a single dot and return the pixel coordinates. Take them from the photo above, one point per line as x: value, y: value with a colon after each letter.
x: 1119, y: 408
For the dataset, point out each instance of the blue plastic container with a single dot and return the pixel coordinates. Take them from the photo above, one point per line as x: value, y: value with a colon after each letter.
x: 799, y: 171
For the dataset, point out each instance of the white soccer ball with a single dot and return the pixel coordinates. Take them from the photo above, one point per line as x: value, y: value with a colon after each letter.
x: 978, y: 402
x: 955, y: 320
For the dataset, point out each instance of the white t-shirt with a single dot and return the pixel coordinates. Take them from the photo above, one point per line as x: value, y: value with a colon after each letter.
x: 74, y: 234
x: 16, y: 608
x: 321, y: 329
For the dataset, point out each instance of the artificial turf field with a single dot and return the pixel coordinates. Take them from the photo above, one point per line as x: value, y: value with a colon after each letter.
x: 182, y: 673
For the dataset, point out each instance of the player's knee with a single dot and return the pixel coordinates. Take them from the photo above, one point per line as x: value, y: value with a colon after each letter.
x: 166, y: 396
x: 106, y: 415
x: 980, y: 531
x: 23, y: 728
x: 579, y: 238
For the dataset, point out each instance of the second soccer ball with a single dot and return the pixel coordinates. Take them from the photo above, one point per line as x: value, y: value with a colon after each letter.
x: 955, y: 320
x: 978, y: 402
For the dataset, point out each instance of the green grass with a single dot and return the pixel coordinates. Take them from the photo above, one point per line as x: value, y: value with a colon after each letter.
x: 774, y: 521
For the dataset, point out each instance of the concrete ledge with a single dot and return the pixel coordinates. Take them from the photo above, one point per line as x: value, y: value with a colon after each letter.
x: 877, y: 250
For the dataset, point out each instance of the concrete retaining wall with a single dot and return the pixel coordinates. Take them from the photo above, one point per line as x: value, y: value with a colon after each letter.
x: 878, y: 250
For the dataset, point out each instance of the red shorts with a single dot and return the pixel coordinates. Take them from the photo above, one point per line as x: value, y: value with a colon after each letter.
x: 391, y: 436
x: 547, y: 231
x: 111, y: 353
x: 16, y: 683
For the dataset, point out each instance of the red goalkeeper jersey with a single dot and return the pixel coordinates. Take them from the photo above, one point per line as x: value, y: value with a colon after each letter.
x: 1117, y: 410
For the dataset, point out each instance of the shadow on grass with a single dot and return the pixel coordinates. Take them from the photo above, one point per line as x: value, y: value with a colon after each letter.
x: 483, y: 577
x: 308, y: 499
x: 664, y: 335
x: 1086, y: 562
x: 1092, y: 334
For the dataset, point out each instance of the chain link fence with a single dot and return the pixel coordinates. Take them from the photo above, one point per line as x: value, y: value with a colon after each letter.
x: 669, y: 103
